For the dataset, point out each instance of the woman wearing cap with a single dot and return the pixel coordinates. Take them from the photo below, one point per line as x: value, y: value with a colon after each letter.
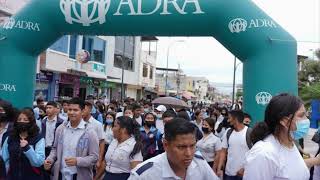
x: 159, y: 121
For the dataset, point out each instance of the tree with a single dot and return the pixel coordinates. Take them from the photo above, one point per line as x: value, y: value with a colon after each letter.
x: 309, y: 81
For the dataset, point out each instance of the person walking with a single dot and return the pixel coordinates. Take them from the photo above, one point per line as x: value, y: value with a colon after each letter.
x: 274, y: 151
x: 124, y: 152
x: 24, y: 149
x: 75, y: 149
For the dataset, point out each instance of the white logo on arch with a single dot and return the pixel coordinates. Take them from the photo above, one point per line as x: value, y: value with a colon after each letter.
x: 263, y: 98
x: 88, y: 9
x: 237, y: 25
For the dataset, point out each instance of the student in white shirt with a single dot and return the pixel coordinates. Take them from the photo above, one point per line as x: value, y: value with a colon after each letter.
x: 97, y: 127
x: 124, y: 152
x: 179, y: 162
x: 210, y: 145
x: 274, y: 155
x: 234, y: 148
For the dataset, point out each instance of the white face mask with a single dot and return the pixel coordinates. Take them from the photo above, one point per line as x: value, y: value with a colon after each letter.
x: 159, y: 116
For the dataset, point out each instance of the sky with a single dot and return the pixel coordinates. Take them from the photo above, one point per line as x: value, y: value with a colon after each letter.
x: 301, y: 18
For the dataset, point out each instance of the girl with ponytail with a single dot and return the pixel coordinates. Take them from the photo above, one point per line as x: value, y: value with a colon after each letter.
x: 274, y: 154
x: 124, y: 152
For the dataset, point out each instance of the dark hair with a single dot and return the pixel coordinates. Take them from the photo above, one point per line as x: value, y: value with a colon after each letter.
x: 133, y: 128
x: 169, y: 113
x: 129, y: 107
x: 211, y: 123
x: 65, y: 102
x: 150, y: 113
x: 33, y: 130
x: 280, y: 106
x: 237, y: 114
x: 178, y: 126
x: 101, y: 107
x: 40, y: 100
x: 52, y: 103
x: 197, y: 113
x: 226, y: 109
x: 224, y: 124
x: 77, y: 101
x: 246, y: 115
x: 88, y: 103
x: 184, y: 115
x: 136, y: 106
x: 10, y: 112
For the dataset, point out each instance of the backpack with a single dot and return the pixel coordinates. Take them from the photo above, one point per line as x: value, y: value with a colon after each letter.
x: 248, y: 139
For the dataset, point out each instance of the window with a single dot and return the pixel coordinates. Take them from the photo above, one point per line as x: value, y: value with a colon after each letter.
x: 61, y: 45
x: 124, y: 46
x: 151, y: 72
x: 96, y: 47
x: 145, y: 70
x: 73, y: 46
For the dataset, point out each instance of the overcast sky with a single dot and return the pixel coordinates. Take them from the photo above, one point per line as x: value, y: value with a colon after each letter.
x: 204, y: 56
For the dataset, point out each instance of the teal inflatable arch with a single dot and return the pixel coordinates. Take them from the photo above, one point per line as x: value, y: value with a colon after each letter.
x: 267, y: 51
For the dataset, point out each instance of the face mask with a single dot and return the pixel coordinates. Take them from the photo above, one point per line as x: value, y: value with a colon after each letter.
x: 302, y: 129
x: 159, y: 116
x: 22, y: 127
x: 146, y: 110
x: 149, y: 124
x: 3, y: 117
x: 205, y: 130
x: 109, y: 121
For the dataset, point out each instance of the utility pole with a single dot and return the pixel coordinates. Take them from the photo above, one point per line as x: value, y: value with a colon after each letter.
x: 122, y: 66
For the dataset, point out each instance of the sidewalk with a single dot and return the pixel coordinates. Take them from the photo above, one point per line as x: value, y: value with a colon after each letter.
x: 310, y: 146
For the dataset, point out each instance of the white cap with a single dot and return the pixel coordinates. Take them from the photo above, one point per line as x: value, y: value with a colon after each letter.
x: 161, y: 108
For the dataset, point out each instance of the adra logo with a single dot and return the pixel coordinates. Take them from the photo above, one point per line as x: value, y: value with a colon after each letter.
x: 93, y: 11
x: 12, y: 23
x: 239, y: 25
x: 7, y: 87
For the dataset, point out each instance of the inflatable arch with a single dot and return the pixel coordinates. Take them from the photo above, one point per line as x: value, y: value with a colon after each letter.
x: 267, y: 51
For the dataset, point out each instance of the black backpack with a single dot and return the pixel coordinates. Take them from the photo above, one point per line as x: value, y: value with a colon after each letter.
x: 248, y: 139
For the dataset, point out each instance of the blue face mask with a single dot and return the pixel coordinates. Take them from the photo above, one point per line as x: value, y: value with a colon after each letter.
x: 302, y: 129
x: 109, y: 121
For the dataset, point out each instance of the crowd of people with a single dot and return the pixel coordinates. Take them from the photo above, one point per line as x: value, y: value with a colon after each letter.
x: 136, y: 140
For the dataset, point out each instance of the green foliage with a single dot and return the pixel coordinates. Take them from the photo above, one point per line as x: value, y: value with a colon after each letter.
x: 309, y: 81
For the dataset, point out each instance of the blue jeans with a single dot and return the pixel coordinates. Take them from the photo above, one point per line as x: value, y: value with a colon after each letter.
x: 226, y: 177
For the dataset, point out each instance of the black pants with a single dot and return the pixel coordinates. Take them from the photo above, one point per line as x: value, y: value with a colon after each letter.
x: 226, y: 177
x: 73, y: 178
x: 116, y: 176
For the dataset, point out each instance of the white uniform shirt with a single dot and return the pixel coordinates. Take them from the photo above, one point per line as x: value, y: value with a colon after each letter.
x: 118, y: 156
x: 158, y: 168
x: 236, y: 150
x: 108, y: 135
x: 208, y: 146
x: 70, y: 141
x: 269, y: 160
x: 139, y: 120
x: 160, y: 125
x: 50, y: 127
x: 97, y: 127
